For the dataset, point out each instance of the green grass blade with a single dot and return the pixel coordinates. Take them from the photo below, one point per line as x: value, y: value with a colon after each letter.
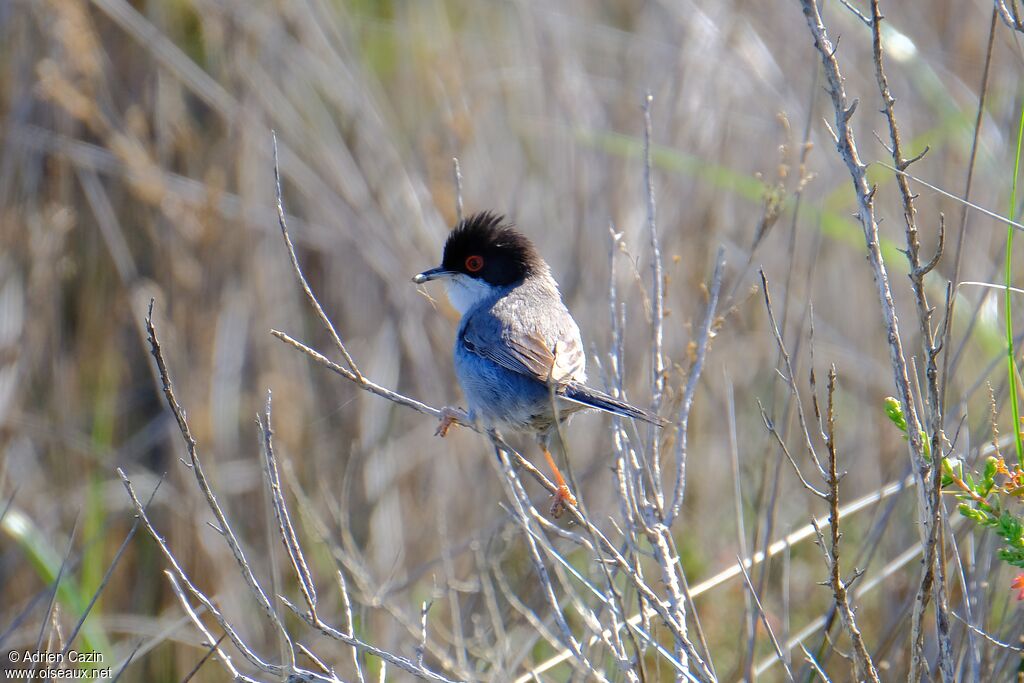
x: 47, y: 562
x: 1011, y: 363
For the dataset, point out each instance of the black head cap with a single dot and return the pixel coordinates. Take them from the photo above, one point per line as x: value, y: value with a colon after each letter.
x: 485, y: 246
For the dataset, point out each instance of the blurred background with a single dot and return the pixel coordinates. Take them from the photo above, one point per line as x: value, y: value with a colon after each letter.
x: 136, y: 163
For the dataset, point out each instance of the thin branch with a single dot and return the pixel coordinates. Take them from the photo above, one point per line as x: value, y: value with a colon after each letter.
x: 284, y: 522
x: 790, y: 378
x: 1010, y: 15
x: 457, y: 177
x: 657, y: 284
x: 214, y: 648
x: 702, y: 342
x: 960, y: 200
x: 521, y: 502
x: 764, y: 620
x: 948, y: 359
x: 864, y: 667
x: 934, y: 562
x: 223, y: 525
x: 776, y: 547
x: 346, y: 605
x: 363, y: 383
x: 178, y: 574
x: 402, y: 663
x: 338, y: 344
x: 987, y: 636
x: 770, y: 426
x: 847, y: 149
x: 866, y: 20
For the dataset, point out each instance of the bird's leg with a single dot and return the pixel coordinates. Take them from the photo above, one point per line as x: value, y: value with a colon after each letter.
x: 449, y: 417
x: 563, y: 496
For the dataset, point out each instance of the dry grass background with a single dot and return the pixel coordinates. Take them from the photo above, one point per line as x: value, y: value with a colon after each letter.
x: 135, y: 162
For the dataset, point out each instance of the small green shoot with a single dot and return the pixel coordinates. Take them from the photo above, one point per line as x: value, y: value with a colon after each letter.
x: 986, y: 499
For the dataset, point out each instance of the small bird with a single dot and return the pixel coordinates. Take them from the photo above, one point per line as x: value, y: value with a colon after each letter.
x: 516, y: 339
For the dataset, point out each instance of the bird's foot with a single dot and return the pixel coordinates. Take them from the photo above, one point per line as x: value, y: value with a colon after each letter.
x: 450, y: 416
x: 561, y: 500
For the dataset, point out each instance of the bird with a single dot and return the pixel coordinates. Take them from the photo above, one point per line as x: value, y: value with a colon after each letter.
x: 516, y: 340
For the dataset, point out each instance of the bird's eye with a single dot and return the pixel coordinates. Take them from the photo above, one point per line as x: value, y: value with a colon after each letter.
x: 474, y: 263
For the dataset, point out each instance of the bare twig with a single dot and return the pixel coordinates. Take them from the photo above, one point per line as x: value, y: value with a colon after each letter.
x: 770, y: 426
x: 284, y: 522
x: 764, y: 619
x: 178, y: 575
x: 773, y: 549
x: 847, y: 148
x: 363, y: 383
x: 657, y: 283
x: 338, y: 344
x: 289, y: 538
x: 934, y: 562
x: 106, y: 575
x: 457, y: 177
x: 403, y: 663
x: 790, y: 378
x: 223, y: 525
x: 960, y: 200
x: 856, y: 12
x: 346, y: 604
x: 814, y: 664
x: 1011, y: 15
x: 214, y: 648
x: 863, y: 666
x: 421, y: 649
x: 701, y: 345
x: 214, y: 645
x: 521, y: 503
x: 987, y: 636
x: 881, y: 578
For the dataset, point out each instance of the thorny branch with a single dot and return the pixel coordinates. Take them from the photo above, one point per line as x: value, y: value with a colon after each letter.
x: 933, y: 579
x: 847, y: 148
x: 864, y: 667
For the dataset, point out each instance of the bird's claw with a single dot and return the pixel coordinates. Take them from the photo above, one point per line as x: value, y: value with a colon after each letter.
x: 562, y: 499
x: 449, y: 417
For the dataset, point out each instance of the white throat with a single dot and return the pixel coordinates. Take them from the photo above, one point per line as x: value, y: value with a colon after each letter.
x: 465, y: 292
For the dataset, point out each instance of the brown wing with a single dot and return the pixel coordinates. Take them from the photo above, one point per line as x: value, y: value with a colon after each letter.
x: 521, y: 346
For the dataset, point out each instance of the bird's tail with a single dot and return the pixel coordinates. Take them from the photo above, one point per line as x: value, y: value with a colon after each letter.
x: 598, y: 399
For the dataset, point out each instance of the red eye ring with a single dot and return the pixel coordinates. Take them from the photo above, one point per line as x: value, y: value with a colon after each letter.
x: 474, y: 263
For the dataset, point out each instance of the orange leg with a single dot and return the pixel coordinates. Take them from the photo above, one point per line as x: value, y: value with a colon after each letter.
x: 563, y: 496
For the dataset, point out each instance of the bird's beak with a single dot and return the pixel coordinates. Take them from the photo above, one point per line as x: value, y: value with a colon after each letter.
x: 432, y: 274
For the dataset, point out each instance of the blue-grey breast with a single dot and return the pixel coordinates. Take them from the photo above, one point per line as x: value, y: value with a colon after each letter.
x: 516, y: 340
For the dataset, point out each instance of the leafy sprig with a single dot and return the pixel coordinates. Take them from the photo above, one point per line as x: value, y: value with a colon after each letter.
x: 985, y: 498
